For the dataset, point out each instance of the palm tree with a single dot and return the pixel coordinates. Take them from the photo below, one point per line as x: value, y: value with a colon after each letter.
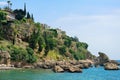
x: 8, y: 4
x: 15, y: 32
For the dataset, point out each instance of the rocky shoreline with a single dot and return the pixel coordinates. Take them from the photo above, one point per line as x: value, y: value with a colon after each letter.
x: 61, y: 65
x: 65, y: 66
x: 6, y: 67
x: 72, y: 66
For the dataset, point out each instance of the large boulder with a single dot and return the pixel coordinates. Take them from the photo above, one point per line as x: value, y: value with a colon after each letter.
x: 111, y: 66
x: 18, y: 64
x: 85, y: 63
x: 47, y: 64
x: 5, y: 57
x: 58, y: 69
x: 28, y: 67
x: 115, y: 62
x: 101, y: 59
x: 74, y: 69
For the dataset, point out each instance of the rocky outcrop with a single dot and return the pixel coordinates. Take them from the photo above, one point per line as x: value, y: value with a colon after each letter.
x: 63, y: 66
x: 6, y: 67
x: 5, y: 57
x: 111, y: 66
x: 28, y: 67
x: 101, y: 59
x: 85, y: 63
x: 73, y: 69
x: 115, y: 62
x: 58, y: 69
x: 47, y: 64
x: 68, y: 67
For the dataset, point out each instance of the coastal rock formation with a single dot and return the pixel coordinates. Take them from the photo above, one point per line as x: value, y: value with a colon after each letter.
x: 62, y: 66
x: 28, y: 67
x: 73, y: 69
x: 115, y: 62
x: 47, y: 64
x: 58, y: 69
x: 101, y: 59
x: 5, y: 67
x: 86, y: 63
x: 111, y: 66
x: 4, y: 57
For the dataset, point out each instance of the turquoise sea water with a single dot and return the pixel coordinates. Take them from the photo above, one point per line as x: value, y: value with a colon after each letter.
x: 88, y: 74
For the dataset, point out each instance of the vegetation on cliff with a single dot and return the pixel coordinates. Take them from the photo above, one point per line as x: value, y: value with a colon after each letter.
x: 28, y: 41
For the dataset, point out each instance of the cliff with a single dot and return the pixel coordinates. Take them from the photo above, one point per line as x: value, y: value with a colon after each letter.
x: 28, y: 42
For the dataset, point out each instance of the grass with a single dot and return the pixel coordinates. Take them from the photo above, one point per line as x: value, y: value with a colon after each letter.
x: 54, y: 55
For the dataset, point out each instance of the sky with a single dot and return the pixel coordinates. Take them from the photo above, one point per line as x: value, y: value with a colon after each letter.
x: 96, y: 22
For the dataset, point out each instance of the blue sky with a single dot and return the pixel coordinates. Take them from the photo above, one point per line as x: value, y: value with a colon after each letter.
x: 96, y: 22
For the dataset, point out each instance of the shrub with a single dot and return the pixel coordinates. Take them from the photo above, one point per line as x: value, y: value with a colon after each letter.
x: 62, y: 50
x: 31, y: 57
x: 20, y: 54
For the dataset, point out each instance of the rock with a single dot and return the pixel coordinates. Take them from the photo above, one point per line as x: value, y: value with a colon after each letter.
x: 113, y: 61
x: 101, y: 59
x: 62, y: 66
x: 18, y: 64
x: 5, y: 57
x: 118, y: 63
x: 74, y: 69
x: 85, y: 63
x: 65, y: 66
x: 73, y: 62
x: 38, y: 65
x: 58, y: 69
x: 6, y: 67
x: 111, y: 66
x: 28, y: 67
x: 45, y: 64
x: 48, y: 64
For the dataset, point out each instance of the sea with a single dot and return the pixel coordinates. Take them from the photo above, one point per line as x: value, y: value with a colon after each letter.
x: 41, y: 74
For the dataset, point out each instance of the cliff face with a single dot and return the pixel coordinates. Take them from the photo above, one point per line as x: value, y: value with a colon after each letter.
x: 28, y: 42
x: 44, y: 41
x: 4, y: 57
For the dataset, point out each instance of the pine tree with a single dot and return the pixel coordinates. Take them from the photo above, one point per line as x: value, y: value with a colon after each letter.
x: 32, y: 17
x: 25, y: 8
x: 28, y: 15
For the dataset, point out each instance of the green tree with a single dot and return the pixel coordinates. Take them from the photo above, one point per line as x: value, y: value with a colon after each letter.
x: 14, y: 32
x: 18, y: 54
x: 54, y: 32
x: 28, y: 15
x: 47, y: 48
x: 8, y: 4
x: 19, y: 14
x: 67, y: 41
x: 2, y: 16
x: 32, y: 17
x: 62, y: 50
x: 75, y: 39
x: 81, y: 44
x: 41, y: 43
x: 24, y: 8
x: 33, y: 40
x: 31, y: 57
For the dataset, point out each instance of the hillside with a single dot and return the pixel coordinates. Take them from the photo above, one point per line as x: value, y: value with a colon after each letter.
x: 28, y: 41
